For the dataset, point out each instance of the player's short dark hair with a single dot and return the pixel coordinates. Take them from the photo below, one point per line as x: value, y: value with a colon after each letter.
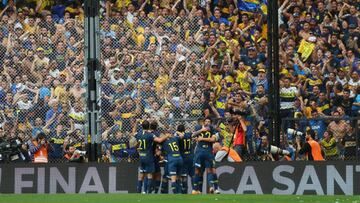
x: 181, y: 128
x: 208, y: 118
x: 153, y: 125
x: 145, y: 125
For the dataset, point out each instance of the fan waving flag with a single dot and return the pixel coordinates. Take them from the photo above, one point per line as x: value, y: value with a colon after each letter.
x: 263, y: 6
x: 249, y: 5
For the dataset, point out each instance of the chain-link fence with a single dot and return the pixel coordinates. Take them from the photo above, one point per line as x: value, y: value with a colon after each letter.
x: 338, y: 137
x: 174, y: 62
x: 151, y: 69
x: 42, y: 72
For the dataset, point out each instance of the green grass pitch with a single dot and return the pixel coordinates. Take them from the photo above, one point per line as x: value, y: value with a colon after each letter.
x: 138, y: 198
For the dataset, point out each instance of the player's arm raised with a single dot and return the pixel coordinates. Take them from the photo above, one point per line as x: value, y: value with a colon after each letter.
x: 196, y: 133
x: 161, y: 139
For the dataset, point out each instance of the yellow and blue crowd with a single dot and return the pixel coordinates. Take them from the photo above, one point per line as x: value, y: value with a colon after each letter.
x: 42, y: 67
x: 180, y: 60
x: 176, y: 61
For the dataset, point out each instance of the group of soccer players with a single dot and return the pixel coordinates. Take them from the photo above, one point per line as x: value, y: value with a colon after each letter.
x: 183, y: 154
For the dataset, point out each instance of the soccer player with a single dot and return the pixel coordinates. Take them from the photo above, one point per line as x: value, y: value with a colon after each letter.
x: 187, y: 153
x: 174, y: 159
x: 165, y: 178
x: 205, y: 137
x: 157, y: 153
x: 146, y: 141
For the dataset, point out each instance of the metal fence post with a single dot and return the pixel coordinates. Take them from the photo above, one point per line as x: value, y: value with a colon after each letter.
x: 357, y: 139
x: 270, y: 71
x: 92, y: 65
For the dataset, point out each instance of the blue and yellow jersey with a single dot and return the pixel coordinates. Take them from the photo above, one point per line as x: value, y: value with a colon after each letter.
x: 325, y: 107
x: 186, y: 146
x: 221, y: 105
x: 214, y: 78
x: 120, y: 4
x: 202, y: 145
x: 312, y: 81
x: 229, y: 79
x: 145, y: 145
x: 171, y: 148
x: 242, y: 80
x: 227, y: 136
x: 229, y: 42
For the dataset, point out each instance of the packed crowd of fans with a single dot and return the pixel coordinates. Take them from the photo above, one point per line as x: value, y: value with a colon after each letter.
x: 183, y: 59
x: 176, y: 61
x: 42, y: 67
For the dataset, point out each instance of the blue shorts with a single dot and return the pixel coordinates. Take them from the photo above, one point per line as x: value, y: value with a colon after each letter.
x: 204, y: 159
x: 188, y: 167
x: 175, y: 165
x: 147, y: 166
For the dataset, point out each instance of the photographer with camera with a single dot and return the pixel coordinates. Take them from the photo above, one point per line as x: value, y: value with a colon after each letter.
x: 264, y: 150
x: 74, y: 155
x: 240, y: 134
x: 311, y: 147
x: 12, y: 148
x: 269, y: 152
x: 39, y: 149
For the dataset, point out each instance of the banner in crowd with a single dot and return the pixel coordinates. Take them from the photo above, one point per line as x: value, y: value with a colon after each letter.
x: 252, y: 5
x: 321, y: 178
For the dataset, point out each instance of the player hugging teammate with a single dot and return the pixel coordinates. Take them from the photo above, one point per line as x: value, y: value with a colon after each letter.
x: 183, y: 154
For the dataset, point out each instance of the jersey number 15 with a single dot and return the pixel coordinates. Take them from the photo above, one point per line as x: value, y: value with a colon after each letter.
x: 174, y: 147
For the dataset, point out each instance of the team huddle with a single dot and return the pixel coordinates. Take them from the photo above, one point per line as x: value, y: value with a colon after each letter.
x: 183, y: 155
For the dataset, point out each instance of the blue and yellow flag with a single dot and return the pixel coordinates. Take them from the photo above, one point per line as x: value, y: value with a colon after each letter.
x: 306, y: 49
x: 263, y: 6
x: 249, y: 5
x: 253, y: 6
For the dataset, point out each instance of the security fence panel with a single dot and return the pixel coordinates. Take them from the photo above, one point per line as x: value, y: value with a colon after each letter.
x: 165, y: 62
x: 338, y: 137
x: 177, y: 62
x: 42, y: 91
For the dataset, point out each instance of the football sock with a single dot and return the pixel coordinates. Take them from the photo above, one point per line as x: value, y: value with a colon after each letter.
x: 146, y: 182
x: 150, y: 185
x: 200, y: 185
x: 139, y: 186
x: 173, y: 187
x: 215, y: 181
x: 184, y: 186
x: 196, y: 182
x: 164, y: 187
x: 210, y: 181
x: 157, y: 185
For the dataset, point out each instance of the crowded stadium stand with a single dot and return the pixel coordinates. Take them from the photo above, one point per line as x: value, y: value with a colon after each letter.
x: 177, y: 62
